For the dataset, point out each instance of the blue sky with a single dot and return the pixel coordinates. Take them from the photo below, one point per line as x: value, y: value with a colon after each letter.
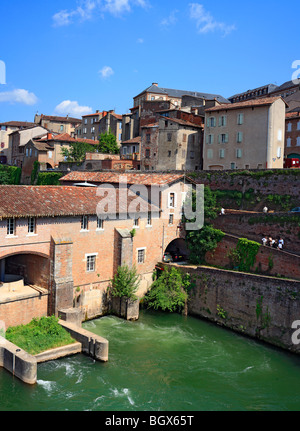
x: 74, y: 57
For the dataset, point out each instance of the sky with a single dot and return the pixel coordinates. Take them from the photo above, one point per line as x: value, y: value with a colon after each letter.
x: 73, y: 57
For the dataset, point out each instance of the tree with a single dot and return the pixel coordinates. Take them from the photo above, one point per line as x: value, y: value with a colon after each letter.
x: 201, y: 241
x: 125, y: 283
x: 108, y: 144
x: 77, y: 151
x: 169, y: 291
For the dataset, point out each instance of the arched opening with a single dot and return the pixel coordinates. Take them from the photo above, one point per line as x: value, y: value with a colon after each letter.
x: 49, y: 166
x: 177, y: 251
x: 24, y: 270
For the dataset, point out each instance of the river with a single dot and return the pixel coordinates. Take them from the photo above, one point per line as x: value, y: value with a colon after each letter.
x: 163, y: 362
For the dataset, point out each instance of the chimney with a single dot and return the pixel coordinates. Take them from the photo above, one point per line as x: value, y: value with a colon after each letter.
x: 49, y: 136
x: 155, y: 83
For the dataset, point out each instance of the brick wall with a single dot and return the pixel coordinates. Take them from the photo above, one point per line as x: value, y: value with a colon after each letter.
x: 269, y: 261
x: 22, y: 311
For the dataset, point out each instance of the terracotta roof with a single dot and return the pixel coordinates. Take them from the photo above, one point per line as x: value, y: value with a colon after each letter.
x: 136, y: 140
x: 182, y: 122
x: 113, y: 177
x: 18, y: 124
x: 248, y: 103
x: 55, y: 201
x: 293, y: 114
x: 65, y: 137
x: 60, y: 119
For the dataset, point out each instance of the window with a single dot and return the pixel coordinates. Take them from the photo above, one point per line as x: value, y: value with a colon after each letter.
x: 288, y: 142
x: 169, y: 153
x: 92, y: 129
x: 50, y: 154
x: 141, y: 255
x: 289, y: 127
x: 240, y: 119
x: 222, y: 154
x: 232, y: 166
x: 172, y: 200
x: 84, y: 223
x: 210, y: 154
x: 239, y: 137
x: 171, y: 219
x: 210, y: 139
x: 223, y: 120
x: 169, y: 137
x: 148, y: 138
x: 31, y: 225
x: 298, y: 141
x: 61, y: 128
x: 298, y: 125
x: 124, y: 150
x: 11, y: 226
x: 91, y: 263
x: 136, y: 222
x: 147, y: 154
x: 223, y: 139
x: 238, y: 153
x: 211, y: 122
x: 100, y: 223
x: 149, y: 220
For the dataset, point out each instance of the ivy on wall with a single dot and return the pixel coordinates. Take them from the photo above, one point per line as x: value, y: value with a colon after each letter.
x: 247, y: 251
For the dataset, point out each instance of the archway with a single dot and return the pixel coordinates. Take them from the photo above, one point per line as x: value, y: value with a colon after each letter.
x: 177, y: 250
x: 33, y: 269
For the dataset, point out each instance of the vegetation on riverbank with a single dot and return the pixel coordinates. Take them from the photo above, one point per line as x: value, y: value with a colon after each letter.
x: 39, y: 335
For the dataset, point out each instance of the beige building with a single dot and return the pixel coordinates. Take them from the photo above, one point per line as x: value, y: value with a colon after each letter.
x: 93, y: 125
x: 245, y: 135
x: 57, y: 124
x: 5, y: 130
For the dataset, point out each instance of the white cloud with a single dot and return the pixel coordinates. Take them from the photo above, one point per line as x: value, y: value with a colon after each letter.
x: 106, y: 72
x: 171, y: 20
x: 89, y: 8
x: 68, y: 107
x: 19, y: 96
x: 206, y: 22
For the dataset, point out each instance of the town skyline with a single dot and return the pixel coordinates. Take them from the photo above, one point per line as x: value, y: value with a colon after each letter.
x: 115, y: 49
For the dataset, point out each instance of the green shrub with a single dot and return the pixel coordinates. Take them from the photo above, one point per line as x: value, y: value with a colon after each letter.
x: 10, y: 175
x: 169, y: 291
x: 49, y: 178
x: 39, y: 335
x: 125, y: 283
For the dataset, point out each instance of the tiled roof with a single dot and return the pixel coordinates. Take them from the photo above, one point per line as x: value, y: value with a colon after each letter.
x: 248, y: 103
x: 18, y: 124
x: 65, y: 137
x: 55, y: 201
x: 115, y: 178
x: 136, y: 140
x: 60, y: 119
x: 182, y: 122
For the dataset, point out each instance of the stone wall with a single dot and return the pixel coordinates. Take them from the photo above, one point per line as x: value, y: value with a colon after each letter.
x: 255, y: 225
x: 258, y: 306
x: 269, y: 261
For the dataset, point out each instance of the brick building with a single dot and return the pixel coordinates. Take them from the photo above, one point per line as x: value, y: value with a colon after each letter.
x: 69, y: 241
x: 292, y: 139
x: 57, y: 124
x: 5, y: 130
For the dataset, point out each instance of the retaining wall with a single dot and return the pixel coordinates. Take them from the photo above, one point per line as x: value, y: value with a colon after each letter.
x: 258, y: 306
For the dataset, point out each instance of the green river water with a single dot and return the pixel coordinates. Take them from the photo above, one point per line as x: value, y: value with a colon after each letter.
x: 163, y: 362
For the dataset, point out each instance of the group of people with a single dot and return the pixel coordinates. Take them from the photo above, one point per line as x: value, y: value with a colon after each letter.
x: 274, y: 243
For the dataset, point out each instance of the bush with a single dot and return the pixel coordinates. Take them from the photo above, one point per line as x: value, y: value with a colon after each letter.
x: 201, y: 241
x: 49, y: 178
x: 10, y: 175
x: 169, y: 291
x: 39, y: 335
x: 125, y: 283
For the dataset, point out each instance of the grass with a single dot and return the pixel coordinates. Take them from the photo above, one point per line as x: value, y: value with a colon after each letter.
x: 39, y: 335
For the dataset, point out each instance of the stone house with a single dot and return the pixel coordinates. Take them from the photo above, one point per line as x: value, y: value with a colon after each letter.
x: 67, y: 242
x: 57, y: 124
x: 5, y: 130
x: 93, y: 125
x: 292, y: 130
x: 245, y: 135
x: 18, y: 140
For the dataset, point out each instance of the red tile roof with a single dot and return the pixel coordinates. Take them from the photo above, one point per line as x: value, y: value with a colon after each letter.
x: 55, y: 201
x: 248, y: 103
x: 116, y: 178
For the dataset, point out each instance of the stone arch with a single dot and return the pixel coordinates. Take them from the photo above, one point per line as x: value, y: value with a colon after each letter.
x: 33, y: 268
x: 178, y: 250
